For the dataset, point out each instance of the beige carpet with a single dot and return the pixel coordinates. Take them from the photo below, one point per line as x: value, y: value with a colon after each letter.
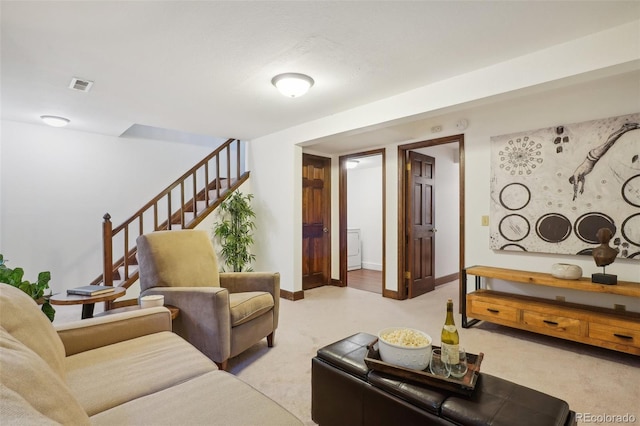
x: 592, y: 380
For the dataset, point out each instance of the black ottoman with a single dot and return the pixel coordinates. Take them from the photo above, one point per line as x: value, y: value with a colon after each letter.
x: 345, y: 392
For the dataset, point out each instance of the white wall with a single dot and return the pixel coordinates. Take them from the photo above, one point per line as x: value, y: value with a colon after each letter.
x: 276, y: 179
x: 276, y: 158
x: 57, y: 184
x: 610, y: 97
x: 364, y: 210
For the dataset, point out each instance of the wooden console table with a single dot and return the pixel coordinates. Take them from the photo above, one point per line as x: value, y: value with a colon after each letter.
x: 610, y: 328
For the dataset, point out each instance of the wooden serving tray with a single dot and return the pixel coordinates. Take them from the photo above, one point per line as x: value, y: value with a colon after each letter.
x: 464, y: 385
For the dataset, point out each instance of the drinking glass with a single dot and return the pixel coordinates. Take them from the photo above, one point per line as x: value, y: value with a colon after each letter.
x: 438, y: 364
x: 460, y: 369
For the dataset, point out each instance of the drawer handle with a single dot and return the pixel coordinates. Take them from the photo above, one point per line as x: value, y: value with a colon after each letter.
x: 550, y: 322
x: 622, y: 336
x: 493, y: 311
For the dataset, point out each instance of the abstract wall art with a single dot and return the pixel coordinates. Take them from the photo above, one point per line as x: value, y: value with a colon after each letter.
x: 553, y: 188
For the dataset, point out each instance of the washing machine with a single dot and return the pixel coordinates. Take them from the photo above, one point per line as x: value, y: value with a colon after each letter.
x: 354, y: 249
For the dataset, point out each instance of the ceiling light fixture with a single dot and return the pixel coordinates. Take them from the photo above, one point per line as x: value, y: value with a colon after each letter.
x: 291, y: 84
x: 352, y: 164
x: 55, y: 121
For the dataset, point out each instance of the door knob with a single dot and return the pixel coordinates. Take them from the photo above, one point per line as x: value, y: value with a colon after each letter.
x: 325, y: 230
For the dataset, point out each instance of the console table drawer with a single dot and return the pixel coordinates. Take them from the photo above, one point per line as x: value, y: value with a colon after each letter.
x: 551, y: 323
x: 483, y: 309
x: 614, y: 334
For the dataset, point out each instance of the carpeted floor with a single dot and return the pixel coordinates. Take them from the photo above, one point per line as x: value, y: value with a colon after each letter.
x: 592, y: 380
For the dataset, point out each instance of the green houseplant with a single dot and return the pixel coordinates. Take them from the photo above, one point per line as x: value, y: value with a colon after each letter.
x: 234, y: 231
x: 36, y: 289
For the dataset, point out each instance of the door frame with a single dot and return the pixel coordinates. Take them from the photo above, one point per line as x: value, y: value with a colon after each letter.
x: 342, y: 213
x: 402, y: 185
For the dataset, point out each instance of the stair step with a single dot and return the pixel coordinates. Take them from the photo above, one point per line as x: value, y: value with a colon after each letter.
x: 214, y: 195
x: 119, y: 272
x: 200, y: 205
x: 188, y: 217
x: 132, y: 269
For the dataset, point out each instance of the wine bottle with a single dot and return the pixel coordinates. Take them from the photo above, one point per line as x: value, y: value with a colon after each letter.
x: 449, y: 337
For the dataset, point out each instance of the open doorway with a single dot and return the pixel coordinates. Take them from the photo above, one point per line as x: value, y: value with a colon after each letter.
x: 420, y: 188
x: 362, y: 220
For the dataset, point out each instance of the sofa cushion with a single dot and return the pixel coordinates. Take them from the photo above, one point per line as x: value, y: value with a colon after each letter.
x: 214, y: 398
x: 21, y: 317
x: 111, y: 375
x: 177, y: 259
x: 248, y: 305
x: 32, y: 387
x: 16, y: 411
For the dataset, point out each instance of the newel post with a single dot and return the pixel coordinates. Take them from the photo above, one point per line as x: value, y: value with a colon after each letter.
x: 107, y: 258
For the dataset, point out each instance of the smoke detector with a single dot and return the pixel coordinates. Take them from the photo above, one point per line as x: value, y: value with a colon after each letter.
x: 462, y: 124
x: 80, y: 84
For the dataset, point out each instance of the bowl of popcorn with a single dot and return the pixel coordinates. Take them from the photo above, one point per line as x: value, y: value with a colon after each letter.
x: 405, y: 347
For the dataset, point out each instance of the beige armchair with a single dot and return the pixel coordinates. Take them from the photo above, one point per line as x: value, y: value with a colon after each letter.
x: 221, y: 314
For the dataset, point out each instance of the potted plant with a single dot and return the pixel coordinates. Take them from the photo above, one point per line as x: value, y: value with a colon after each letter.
x: 234, y: 231
x: 35, y: 290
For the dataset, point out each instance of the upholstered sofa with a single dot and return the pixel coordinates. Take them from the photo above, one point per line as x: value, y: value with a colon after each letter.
x: 120, y: 369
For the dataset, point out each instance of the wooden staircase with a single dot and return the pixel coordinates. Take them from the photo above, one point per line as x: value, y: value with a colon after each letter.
x: 182, y: 205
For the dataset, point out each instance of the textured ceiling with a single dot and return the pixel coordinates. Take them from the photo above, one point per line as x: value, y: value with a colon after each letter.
x: 205, y: 66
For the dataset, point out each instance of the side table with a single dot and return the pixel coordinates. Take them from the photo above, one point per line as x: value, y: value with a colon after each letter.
x: 88, y: 302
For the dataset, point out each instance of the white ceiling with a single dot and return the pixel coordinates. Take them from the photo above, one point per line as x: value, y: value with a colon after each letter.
x: 205, y: 67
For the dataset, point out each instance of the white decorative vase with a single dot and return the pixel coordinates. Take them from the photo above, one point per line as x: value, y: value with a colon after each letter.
x: 566, y: 271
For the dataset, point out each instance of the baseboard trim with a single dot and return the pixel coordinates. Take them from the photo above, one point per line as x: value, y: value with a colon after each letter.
x: 337, y: 283
x: 372, y: 266
x: 293, y: 296
x: 447, y: 278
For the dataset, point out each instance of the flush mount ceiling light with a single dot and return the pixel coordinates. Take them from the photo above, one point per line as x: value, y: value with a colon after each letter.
x: 352, y: 164
x: 55, y: 121
x: 292, y: 84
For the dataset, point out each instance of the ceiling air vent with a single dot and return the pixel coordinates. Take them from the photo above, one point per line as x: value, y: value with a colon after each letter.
x: 80, y: 84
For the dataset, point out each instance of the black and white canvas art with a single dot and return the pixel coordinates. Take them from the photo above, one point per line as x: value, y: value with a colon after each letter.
x: 553, y: 188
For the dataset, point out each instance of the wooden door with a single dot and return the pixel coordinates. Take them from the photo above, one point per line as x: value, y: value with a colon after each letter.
x: 316, y: 214
x: 420, y: 224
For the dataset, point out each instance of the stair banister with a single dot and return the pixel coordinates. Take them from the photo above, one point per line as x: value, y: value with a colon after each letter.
x: 178, y: 218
